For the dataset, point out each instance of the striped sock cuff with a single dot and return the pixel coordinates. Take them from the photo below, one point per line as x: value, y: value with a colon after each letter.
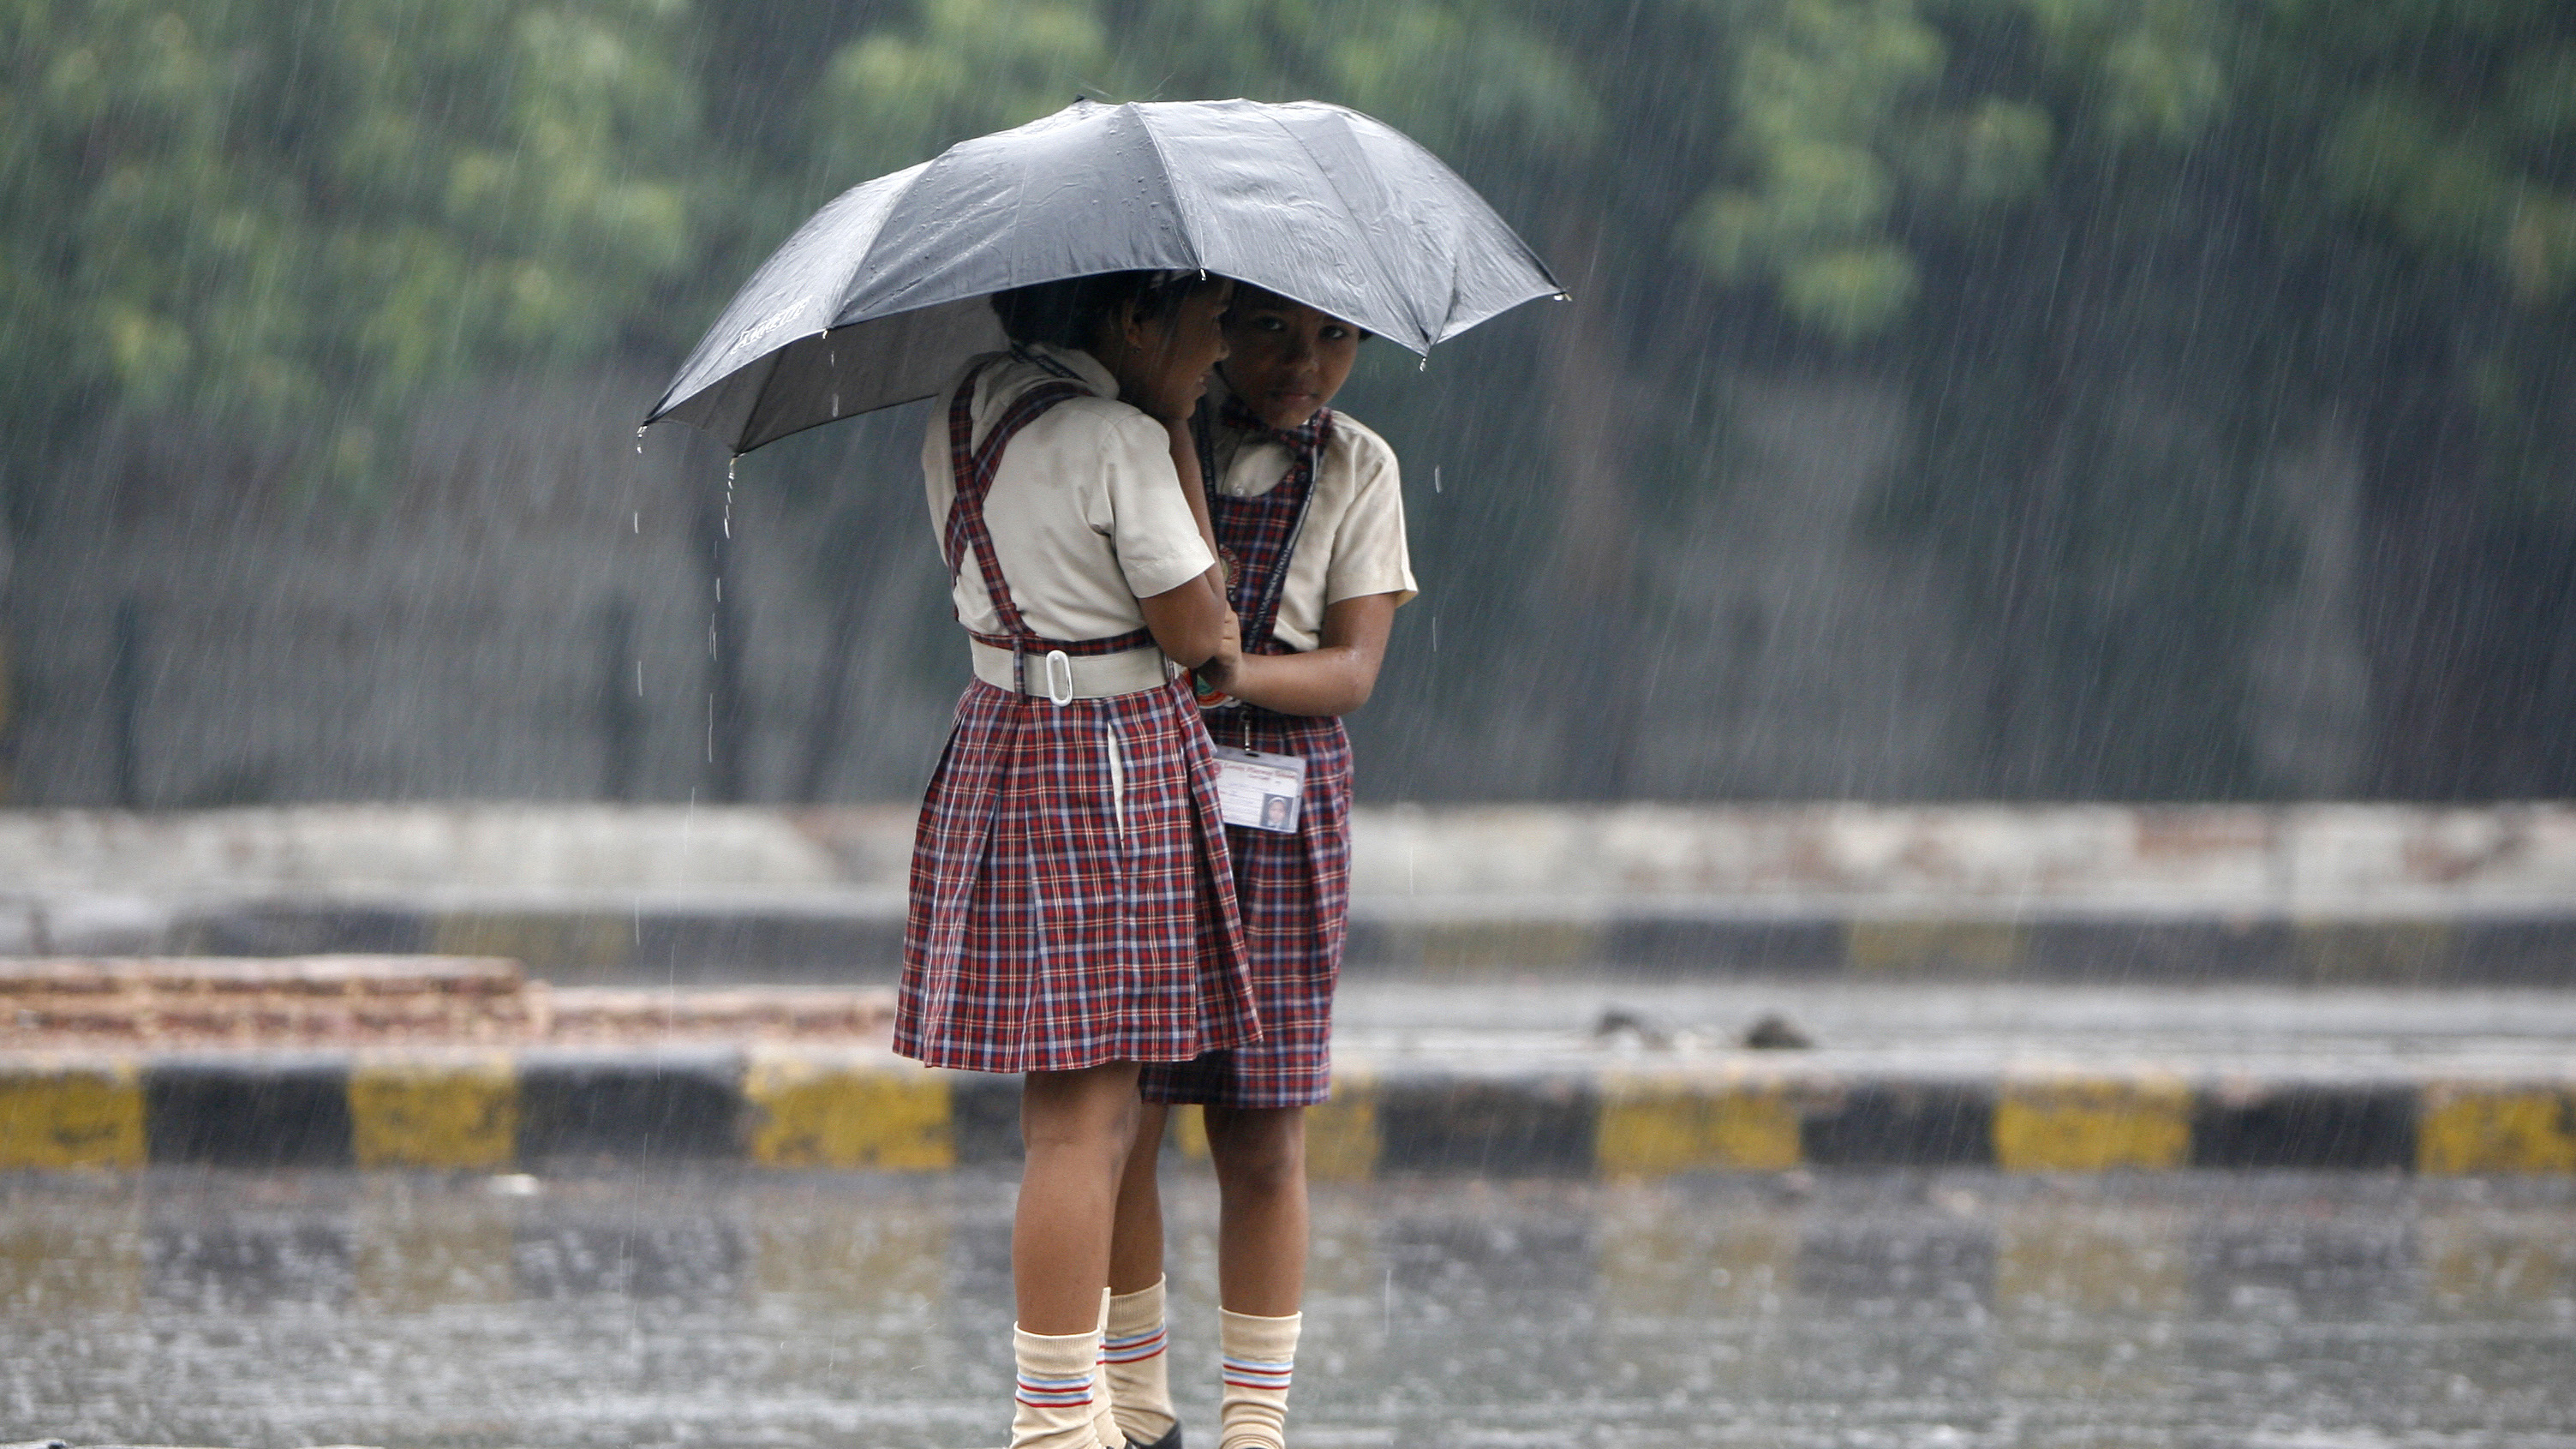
x: 1255, y: 1373
x: 1134, y: 1347
x: 1051, y: 1391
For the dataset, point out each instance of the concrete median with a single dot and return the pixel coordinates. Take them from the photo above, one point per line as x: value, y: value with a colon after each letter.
x: 2297, y: 894
x: 803, y: 1107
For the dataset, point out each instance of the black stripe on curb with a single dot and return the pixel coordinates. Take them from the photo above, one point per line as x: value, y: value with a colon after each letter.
x: 266, y: 1112
x: 1925, y: 1124
x: 2306, y: 1127
x: 1535, y: 1127
x: 700, y: 947
x: 286, y: 929
x: 2180, y: 952
x: 1788, y: 945
x: 630, y: 1108
x: 984, y: 1118
x: 572, y: 1108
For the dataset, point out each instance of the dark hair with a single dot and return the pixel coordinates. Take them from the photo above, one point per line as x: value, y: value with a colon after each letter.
x: 1246, y: 295
x: 1071, y: 312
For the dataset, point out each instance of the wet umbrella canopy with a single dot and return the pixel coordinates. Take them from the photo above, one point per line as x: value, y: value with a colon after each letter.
x: 881, y: 295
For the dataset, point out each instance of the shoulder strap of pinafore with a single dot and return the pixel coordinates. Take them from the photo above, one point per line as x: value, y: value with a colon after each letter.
x: 973, y: 465
x: 1262, y: 533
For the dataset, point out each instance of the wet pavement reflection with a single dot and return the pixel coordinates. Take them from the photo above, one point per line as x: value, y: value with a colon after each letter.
x: 1870, y: 1309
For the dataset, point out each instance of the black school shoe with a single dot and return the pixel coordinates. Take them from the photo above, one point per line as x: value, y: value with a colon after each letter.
x: 1171, y: 1440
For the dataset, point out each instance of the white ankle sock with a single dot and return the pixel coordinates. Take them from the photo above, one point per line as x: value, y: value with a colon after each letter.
x: 1054, y: 1397
x: 1104, y: 1394
x: 1260, y: 1354
x: 1139, y: 1371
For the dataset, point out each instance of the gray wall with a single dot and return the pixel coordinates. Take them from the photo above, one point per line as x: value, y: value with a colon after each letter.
x: 458, y: 637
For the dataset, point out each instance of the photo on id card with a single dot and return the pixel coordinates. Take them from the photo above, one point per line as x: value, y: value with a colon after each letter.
x: 1258, y: 791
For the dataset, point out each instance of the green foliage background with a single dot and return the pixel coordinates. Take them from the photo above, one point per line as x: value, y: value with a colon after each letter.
x: 296, y: 218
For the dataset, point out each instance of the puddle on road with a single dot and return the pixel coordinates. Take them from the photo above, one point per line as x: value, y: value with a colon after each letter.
x: 868, y: 1312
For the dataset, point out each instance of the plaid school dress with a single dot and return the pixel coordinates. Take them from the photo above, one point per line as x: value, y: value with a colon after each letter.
x: 1294, y: 890
x: 1071, y: 902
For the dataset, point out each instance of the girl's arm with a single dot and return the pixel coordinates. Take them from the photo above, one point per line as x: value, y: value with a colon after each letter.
x: 1193, y: 623
x: 1185, y: 461
x: 1333, y: 678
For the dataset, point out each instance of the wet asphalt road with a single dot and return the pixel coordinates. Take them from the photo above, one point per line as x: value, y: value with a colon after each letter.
x: 1896, y: 1310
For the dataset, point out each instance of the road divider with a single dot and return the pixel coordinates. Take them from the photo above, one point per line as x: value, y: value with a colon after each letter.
x: 792, y: 1107
x: 837, y: 939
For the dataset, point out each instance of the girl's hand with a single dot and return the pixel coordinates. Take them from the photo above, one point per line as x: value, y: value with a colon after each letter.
x: 1222, y: 666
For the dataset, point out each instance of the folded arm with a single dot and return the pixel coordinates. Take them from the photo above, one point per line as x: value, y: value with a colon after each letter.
x: 1191, y: 622
x: 1333, y: 678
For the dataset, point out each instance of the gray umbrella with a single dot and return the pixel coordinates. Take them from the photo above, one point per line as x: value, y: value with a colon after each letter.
x: 880, y: 297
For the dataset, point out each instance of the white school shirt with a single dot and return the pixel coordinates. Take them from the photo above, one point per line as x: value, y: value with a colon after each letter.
x: 1085, y: 508
x: 1353, y: 542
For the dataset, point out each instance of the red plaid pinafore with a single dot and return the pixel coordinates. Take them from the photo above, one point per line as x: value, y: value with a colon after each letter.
x: 1295, y: 889
x: 1071, y: 903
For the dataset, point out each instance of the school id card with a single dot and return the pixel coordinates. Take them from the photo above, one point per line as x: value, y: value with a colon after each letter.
x: 1258, y: 791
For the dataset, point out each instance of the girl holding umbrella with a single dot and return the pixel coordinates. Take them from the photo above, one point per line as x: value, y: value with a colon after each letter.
x: 1072, y: 910
x: 1310, y: 516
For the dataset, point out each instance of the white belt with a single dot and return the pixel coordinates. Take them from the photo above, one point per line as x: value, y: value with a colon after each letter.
x: 1065, y: 678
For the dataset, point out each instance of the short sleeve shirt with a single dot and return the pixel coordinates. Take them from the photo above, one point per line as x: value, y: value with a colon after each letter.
x: 1085, y: 509
x: 1353, y: 543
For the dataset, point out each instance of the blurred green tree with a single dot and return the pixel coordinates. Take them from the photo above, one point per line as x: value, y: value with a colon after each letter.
x: 2070, y: 223
x: 2116, y: 255
x: 297, y: 216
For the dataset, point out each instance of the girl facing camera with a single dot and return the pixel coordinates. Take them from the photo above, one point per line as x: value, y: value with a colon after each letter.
x: 1309, y: 514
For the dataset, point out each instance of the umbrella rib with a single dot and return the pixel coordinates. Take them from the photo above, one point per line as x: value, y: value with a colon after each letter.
x: 1386, y: 279
x: 1163, y: 172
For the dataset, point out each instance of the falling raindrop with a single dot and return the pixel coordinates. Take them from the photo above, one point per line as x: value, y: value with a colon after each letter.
x: 1435, y: 477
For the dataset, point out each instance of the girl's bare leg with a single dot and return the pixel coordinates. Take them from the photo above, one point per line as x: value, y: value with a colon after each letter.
x: 1136, y: 1243
x: 1077, y: 1127
x: 1260, y: 1157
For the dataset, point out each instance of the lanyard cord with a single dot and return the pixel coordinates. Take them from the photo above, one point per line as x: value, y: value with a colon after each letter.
x: 1265, y: 610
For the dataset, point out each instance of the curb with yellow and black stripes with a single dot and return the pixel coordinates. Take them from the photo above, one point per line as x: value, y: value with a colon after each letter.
x: 806, y: 1108
x: 1394, y: 938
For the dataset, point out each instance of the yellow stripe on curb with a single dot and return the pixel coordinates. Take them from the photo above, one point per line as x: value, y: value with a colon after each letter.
x: 1472, y: 949
x: 448, y: 1111
x: 2376, y: 953
x: 2464, y: 1129
x: 540, y: 940
x: 849, y: 1112
x: 67, y: 1115
x: 1188, y: 1126
x: 2092, y: 1125
x: 1656, y: 1126
x: 1342, y: 1138
x: 1912, y: 948
x: 1341, y: 1133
